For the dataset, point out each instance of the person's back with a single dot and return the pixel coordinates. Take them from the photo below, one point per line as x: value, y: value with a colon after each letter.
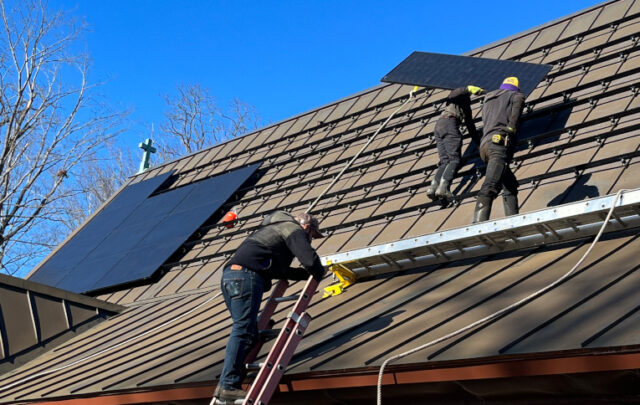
x: 500, y: 116
x: 500, y: 112
x: 270, y: 250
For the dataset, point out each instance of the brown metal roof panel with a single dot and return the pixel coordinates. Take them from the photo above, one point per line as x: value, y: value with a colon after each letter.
x: 589, y: 313
x: 617, y: 145
x: 546, y: 323
x: 199, y: 274
x: 280, y: 131
x: 609, y: 106
x: 320, y: 118
x: 560, y: 51
x: 594, y: 40
x: 626, y: 28
x: 20, y: 329
x: 119, y: 364
x: 503, y: 283
x: 612, y: 12
x: 438, y: 304
x: 341, y: 109
x: 580, y: 23
x: 301, y: 122
x: 363, y: 237
x: 493, y: 53
x: 396, y: 229
x: 132, y: 295
x: 335, y: 242
x: 549, y: 35
x: 519, y: 46
x: 386, y: 93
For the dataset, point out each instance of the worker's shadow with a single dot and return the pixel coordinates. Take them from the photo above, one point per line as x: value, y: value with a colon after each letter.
x: 578, y: 191
x: 342, y: 338
x: 550, y: 121
x: 470, y: 156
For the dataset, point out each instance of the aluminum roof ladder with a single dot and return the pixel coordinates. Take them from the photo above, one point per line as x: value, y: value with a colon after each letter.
x: 549, y: 225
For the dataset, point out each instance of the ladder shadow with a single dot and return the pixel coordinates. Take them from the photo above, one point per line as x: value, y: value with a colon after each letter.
x: 373, y: 325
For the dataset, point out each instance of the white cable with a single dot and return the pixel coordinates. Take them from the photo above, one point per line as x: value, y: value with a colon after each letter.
x: 503, y: 310
x: 53, y: 370
x: 384, y: 124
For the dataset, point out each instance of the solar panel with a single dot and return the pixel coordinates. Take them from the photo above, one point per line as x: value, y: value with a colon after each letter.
x: 451, y: 71
x: 95, y: 231
x: 151, y: 233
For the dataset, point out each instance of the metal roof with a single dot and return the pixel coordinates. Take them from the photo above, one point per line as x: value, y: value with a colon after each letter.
x: 580, y: 138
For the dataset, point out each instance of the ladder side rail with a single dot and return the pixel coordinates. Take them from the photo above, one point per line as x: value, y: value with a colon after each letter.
x: 518, y: 225
x: 287, y: 329
x: 280, y: 366
x: 265, y: 316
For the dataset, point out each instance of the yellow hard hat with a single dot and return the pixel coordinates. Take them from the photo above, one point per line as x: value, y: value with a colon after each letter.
x: 512, y: 81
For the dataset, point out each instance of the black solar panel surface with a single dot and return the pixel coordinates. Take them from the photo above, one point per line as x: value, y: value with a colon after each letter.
x: 140, y: 243
x: 96, y: 231
x: 451, y: 71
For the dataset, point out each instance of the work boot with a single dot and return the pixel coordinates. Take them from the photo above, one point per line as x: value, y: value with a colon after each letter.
x: 431, y: 190
x: 443, y: 191
x: 510, y: 202
x: 483, y: 210
x: 229, y: 396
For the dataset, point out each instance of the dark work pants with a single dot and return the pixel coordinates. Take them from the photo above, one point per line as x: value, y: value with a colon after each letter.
x: 449, y: 142
x: 498, y: 175
x: 242, y: 291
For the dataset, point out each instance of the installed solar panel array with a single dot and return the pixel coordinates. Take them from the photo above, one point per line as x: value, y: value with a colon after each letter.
x: 131, y: 238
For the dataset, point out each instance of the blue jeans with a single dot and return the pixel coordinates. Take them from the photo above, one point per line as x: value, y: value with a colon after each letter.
x: 242, y: 291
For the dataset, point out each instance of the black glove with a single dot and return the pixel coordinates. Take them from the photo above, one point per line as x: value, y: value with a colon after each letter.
x: 318, y: 274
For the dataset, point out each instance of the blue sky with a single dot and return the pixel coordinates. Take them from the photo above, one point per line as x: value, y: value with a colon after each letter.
x: 283, y: 57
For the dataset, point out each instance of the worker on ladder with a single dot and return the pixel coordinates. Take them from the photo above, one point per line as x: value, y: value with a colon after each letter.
x: 264, y: 255
x: 501, y: 113
x: 449, y: 140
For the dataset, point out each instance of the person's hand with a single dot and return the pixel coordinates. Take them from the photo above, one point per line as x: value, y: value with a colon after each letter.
x: 475, y: 90
x: 319, y: 275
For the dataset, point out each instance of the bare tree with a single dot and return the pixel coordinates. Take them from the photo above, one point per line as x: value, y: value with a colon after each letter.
x: 49, y: 128
x: 194, y: 121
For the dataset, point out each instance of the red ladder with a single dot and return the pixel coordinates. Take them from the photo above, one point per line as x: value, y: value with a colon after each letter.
x: 275, y: 365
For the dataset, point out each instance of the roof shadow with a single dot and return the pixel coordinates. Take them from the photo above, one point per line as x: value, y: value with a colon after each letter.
x: 550, y: 120
x: 578, y: 191
x: 373, y: 325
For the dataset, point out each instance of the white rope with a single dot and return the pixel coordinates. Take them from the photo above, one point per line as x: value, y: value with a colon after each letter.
x: 503, y: 310
x: 53, y: 370
x: 384, y: 124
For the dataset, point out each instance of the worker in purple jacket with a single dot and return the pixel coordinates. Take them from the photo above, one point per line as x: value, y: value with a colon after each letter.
x: 500, y: 116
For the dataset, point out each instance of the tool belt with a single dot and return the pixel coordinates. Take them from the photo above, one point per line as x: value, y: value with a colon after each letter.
x: 500, y: 139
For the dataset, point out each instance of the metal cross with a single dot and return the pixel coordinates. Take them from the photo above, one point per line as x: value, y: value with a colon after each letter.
x: 148, y: 150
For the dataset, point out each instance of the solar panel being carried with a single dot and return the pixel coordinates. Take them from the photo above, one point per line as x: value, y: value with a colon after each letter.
x: 451, y: 71
x: 137, y: 232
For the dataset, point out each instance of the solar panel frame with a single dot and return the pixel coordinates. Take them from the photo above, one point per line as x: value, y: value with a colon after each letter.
x: 436, y: 70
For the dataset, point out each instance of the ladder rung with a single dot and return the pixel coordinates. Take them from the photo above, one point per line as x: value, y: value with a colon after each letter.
x: 268, y: 334
x: 254, y: 366
x: 288, y: 298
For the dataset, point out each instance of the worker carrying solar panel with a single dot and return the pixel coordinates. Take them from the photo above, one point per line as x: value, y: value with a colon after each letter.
x: 500, y: 115
x: 264, y: 255
x: 449, y: 140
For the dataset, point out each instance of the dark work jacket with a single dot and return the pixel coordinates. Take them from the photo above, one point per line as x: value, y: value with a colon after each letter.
x: 270, y: 250
x: 459, y: 107
x: 501, y: 109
